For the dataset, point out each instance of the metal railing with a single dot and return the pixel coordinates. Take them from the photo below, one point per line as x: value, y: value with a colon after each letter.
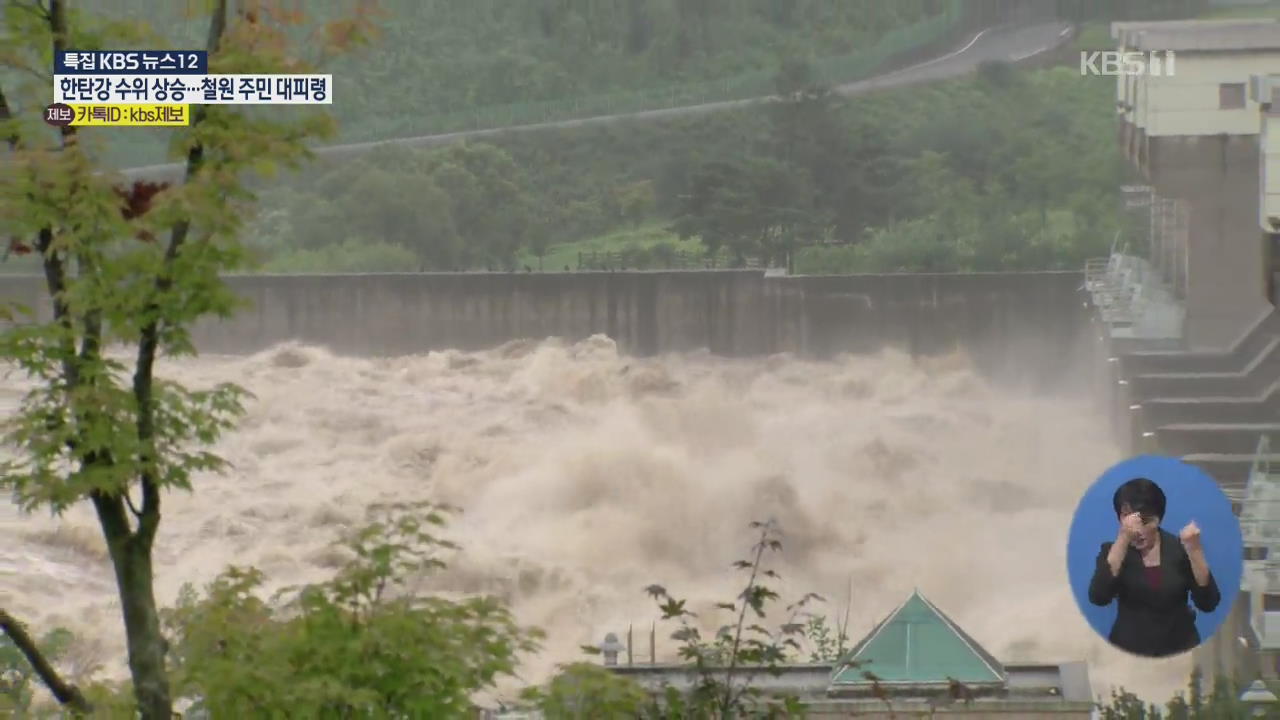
x: 1261, y: 458
x: 1258, y: 503
x: 1131, y: 296
x: 1114, y: 284
x: 1260, y: 527
x: 1170, y: 224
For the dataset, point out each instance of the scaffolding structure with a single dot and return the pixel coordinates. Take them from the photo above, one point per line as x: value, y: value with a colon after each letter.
x: 1260, y: 529
x: 1140, y: 292
x: 1166, y: 224
x: 1167, y: 242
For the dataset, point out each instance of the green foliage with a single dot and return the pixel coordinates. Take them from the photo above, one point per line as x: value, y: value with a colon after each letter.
x: 80, y: 431
x: 634, y: 201
x: 940, y: 177
x: 827, y: 644
x: 445, y: 66
x: 583, y: 691
x: 350, y: 256
x: 18, y: 678
x: 135, y: 266
x: 110, y: 700
x: 1223, y: 703
x: 363, y: 644
x: 728, y: 663
x: 754, y: 207
x: 725, y: 665
x: 453, y: 208
x: 650, y: 246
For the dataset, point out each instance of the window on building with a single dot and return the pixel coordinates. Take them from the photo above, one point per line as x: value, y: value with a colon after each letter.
x: 1231, y: 96
x: 1255, y: 553
x: 1271, y: 603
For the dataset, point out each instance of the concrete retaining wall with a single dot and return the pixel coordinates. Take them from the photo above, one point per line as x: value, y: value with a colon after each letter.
x: 1027, y: 325
x: 1218, y: 177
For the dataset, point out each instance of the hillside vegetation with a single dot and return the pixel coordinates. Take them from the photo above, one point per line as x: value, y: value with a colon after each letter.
x: 926, y: 179
x: 444, y: 65
x: 941, y: 178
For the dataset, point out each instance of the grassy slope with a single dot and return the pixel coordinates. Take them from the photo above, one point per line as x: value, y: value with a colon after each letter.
x: 645, y: 236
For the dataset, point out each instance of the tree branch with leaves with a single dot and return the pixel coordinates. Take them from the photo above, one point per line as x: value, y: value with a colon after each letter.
x: 92, y: 428
x: 39, y: 658
x: 728, y: 665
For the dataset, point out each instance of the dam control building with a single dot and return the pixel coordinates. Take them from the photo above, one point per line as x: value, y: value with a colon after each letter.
x: 1186, y: 319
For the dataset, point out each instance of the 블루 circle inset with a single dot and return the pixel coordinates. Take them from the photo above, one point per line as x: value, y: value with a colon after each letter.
x: 1147, y: 597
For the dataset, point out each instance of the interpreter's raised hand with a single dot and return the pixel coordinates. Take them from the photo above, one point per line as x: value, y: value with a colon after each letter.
x: 1131, y: 526
x: 1190, y: 536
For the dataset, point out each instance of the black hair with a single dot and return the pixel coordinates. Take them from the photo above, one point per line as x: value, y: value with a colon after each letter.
x: 1142, y: 496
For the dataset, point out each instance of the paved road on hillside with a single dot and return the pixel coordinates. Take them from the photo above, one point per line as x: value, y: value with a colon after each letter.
x: 1007, y: 44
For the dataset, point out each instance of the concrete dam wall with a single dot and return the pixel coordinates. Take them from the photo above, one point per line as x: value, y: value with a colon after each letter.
x: 1028, y: 324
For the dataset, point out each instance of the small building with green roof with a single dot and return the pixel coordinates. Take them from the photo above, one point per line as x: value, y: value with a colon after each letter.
x: 917, y: 646
x: 917, y: 659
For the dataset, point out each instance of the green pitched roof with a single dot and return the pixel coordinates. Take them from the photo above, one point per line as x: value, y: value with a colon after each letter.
x: 918, y: 644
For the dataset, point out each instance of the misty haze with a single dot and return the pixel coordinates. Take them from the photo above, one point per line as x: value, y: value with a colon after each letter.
x: 616, y: 279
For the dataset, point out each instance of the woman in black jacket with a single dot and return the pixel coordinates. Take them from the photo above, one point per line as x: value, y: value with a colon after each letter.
x: 1149, y: 572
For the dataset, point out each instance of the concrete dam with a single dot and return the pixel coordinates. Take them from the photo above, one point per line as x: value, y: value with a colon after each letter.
x: 1023, y: 326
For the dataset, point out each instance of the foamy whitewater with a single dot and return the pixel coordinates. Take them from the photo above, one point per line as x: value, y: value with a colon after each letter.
x: 585, y: 476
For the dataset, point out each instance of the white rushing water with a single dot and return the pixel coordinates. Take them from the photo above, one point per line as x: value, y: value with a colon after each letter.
x: 585, y: 476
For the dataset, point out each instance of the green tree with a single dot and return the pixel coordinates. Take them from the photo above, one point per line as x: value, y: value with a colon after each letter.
x: 1222, y: 703
x: 455, y: 208
x: 634, y: 201
x: 728, y: 663
x: 405, y: 209
x: 869, y: 184
x: 805, y: 114
x: 828, y: 644
x: 540, y: 232
x: 846, y: 156
x: 489, y: 202
x: 945, y: 194
x: 363, y: 644
x: 918, y: 245
x: 752, y: 207
x: 133, y: 267
x: 584, y: 691
x: 725, y: 666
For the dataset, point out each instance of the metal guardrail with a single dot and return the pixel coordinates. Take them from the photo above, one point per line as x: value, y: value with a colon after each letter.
x: 1261, y: 458
x: 1131, y: 297
x: 1260, y: 496
x: 1114, y: 287
x: 1260, y: 525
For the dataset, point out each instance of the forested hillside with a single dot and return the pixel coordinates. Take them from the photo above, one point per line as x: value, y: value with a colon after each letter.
x: 942, y: 178
x: 443, y: 66
x: 939, y: 178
